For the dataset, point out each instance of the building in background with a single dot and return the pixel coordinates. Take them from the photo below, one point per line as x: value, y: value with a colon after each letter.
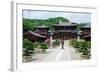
x: 63, y: 30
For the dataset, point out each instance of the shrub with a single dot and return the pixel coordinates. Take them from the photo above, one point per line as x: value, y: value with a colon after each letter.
x: 84, y: 48
x: 43, y: 46
x: 89, y: 44
x: 71, y: 42
x: 75, y: 43
x: 36, y: 45
x: 56, y: 43
x: 28, y: 47
x: 26, y: 53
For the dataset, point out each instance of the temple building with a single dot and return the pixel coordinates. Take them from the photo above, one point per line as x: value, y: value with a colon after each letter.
x: 86, y: 32
x: 42, y: 30
x: 63, y: 30
x: 34, y: 37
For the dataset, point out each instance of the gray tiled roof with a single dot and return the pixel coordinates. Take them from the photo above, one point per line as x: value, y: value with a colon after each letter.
x: 66, y: 24
x: 86, y: 26
x: 72, y: 31
x: 35, y: 34
x: 43, y: 26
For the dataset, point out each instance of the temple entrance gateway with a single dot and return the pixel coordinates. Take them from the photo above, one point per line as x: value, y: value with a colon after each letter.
x: 64, y: 35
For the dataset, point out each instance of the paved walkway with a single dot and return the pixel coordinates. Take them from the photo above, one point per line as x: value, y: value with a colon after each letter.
x: 57, y: 54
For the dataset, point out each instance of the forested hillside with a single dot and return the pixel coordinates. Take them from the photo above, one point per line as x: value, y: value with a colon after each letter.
x: 30, y: 24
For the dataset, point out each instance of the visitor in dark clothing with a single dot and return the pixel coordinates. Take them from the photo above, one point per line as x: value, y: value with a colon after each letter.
x: 62, y: 43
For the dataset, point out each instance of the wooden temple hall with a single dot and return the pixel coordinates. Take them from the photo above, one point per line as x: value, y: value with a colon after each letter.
x: 63, y: 31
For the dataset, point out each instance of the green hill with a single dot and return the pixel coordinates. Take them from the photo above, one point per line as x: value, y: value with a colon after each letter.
x: 30, y: 24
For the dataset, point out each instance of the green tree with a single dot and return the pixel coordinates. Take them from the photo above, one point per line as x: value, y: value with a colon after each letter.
x: 30, y: 24
x: 28, y: 47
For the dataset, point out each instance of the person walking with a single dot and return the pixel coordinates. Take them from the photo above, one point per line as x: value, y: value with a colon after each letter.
x: 62, y: 43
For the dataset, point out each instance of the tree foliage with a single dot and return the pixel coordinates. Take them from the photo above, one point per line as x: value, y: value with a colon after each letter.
x: 30, y: 24
x: 28, y: 46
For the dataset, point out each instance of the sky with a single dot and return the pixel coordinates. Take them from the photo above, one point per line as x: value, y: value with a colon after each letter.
x: 73, y: 17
